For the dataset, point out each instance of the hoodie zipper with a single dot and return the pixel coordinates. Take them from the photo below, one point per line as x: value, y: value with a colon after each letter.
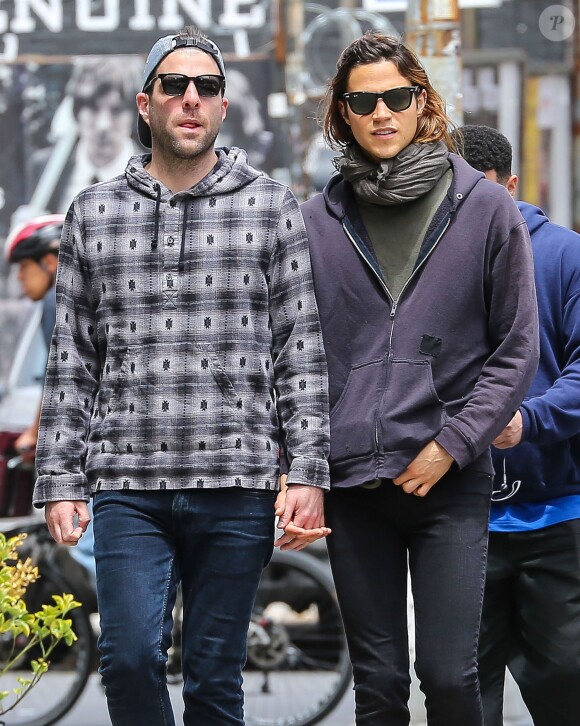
x: 394, y: 303
x: 366, y: 260
x: 415, y: 271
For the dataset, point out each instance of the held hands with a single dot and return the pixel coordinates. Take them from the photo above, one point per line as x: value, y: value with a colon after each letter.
x: 512, y: 434
x: 301, y: 512
x: 60, y: 518
x: 430, y: 464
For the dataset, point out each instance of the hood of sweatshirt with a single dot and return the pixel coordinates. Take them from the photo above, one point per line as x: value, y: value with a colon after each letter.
x: 230, y: 172
x: 534, y: 216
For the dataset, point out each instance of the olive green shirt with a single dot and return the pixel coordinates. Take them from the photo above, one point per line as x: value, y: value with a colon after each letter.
x: 397, y: 232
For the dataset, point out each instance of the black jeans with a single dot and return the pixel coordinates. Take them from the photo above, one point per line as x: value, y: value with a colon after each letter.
x: 377, y: 536
x: 531, y: 623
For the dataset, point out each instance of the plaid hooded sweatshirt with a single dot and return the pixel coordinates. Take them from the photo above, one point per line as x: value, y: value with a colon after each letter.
x: 187, y: 348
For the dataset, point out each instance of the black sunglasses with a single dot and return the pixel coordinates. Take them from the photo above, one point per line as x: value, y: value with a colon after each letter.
x: 175, y: 84
x: 397, y: 99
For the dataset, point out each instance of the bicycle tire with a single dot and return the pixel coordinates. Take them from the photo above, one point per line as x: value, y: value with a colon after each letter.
x: 64, y: 682
x: 308, y: 669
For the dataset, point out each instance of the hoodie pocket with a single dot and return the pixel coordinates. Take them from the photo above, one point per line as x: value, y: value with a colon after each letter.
x: 169, y: 398
x: 352, y: 419
x: 411, y: 413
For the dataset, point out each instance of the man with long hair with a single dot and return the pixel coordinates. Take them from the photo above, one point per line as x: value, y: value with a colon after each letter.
x: 424, y: 281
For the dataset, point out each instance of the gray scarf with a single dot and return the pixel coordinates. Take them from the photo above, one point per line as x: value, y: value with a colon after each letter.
x: 408, y: 175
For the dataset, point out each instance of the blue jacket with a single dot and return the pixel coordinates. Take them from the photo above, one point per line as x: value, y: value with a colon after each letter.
x: 547, y: 462
x: 452, y: 358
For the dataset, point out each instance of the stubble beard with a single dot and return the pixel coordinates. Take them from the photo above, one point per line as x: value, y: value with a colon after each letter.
x: 171, y: 146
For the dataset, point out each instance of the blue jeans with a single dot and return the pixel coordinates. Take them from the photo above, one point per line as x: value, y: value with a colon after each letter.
x: 216, y: 543
x: 378, y: 536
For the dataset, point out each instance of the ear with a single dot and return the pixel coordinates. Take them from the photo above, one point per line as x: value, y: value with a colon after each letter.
x: 344, y: 112
x: 421, y: 101
x: 225, y: 104
x: 512, y: 185
x: 49, y: 263
x: 143, y: 105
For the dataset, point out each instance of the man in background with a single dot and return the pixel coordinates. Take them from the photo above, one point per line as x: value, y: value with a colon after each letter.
x: 33, y: 246
x: 531, y: 611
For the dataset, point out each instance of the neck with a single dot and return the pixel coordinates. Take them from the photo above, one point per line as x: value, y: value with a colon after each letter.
x: 181, y: 174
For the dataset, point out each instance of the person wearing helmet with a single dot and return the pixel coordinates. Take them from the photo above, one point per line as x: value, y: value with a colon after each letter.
x: 34, y: 245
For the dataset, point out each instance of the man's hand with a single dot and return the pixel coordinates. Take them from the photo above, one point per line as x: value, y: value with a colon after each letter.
x: 430, y: 464
x: 60, y: 518
x: 301, y: 512
x: 512, y: 434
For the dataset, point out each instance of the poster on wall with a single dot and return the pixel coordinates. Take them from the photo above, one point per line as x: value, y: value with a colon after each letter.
x: 69, y: 72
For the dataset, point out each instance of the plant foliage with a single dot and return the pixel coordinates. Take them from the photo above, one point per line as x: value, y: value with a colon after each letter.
x: 27, y: 639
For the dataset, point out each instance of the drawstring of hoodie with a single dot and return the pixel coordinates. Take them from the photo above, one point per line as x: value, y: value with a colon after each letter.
x: 155, y: 239
x: 181, y: 265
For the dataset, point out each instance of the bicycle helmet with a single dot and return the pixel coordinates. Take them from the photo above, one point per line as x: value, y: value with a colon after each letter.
x: 34, y: 239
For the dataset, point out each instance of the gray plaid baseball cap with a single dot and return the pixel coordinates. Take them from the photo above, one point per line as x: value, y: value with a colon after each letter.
x: 162, y: 48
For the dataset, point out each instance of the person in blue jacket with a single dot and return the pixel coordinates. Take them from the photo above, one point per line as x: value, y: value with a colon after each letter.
x: 531, y: 611
x: 423, y: 276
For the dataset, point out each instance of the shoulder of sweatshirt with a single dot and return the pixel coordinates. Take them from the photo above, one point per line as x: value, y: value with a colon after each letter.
x: 490, y: 211
x: 494, y: 199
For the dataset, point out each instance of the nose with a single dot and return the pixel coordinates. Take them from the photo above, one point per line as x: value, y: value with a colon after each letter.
x: 103, y: 119
x: 191, y: 96
x: 381, y: 109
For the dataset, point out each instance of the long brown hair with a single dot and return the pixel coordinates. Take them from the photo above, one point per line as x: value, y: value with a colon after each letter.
x: 373, y: 47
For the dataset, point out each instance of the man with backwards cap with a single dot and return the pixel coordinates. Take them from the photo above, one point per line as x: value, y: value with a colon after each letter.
x: 187, y: 351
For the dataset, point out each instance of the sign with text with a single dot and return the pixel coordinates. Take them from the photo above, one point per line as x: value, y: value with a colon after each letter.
x: 54, y: 27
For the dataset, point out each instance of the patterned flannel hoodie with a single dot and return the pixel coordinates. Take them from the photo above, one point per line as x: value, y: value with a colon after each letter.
x: 187, y: 338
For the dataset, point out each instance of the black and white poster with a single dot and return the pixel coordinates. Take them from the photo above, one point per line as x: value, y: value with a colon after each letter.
x: 69, y: 73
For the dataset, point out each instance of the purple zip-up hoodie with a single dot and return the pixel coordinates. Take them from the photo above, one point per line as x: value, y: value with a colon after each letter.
x: 452, y: 358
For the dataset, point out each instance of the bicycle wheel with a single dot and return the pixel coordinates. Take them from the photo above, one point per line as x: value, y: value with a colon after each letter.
x: 60, y: 687
x: 298, y: 667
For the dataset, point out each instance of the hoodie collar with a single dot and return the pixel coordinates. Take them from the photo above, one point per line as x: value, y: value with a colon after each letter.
x: 230, y: 172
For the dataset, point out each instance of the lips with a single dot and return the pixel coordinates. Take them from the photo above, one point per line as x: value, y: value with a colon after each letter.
x: 190, y: 124
x: 384, y: 132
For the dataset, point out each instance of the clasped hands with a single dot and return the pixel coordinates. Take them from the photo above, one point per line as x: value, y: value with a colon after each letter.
x: 300, y: 509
